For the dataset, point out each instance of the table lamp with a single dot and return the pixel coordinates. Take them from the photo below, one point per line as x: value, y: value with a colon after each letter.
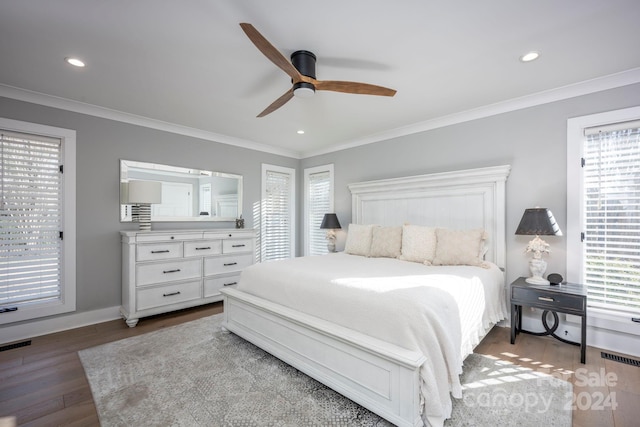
x: 141, y: 194
x: 538, y: 222
x: 331, y: 224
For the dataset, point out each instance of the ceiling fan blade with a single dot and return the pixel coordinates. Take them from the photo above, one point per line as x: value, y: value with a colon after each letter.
x: 271, y: 52
x: 353, y: 87
x: 277, y: 103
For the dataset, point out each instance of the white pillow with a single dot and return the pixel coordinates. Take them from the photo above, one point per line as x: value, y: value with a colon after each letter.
x: 359, y: 239
x: 459, y: 247
x: 418, y: 243
x: 386, y: 242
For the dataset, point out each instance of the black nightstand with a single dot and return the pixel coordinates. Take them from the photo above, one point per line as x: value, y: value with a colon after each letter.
x: 569, y: 298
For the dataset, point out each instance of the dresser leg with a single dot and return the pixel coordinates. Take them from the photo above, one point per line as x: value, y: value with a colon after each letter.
x: 132, y: 322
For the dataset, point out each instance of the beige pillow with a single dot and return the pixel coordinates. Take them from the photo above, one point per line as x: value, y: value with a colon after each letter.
x: 359, y: 239
x: 386, y: 242
x: 459, y: 247
x: 418, y: 243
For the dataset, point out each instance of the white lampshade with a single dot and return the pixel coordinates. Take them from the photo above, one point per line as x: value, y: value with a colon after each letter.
x: 144, y: 192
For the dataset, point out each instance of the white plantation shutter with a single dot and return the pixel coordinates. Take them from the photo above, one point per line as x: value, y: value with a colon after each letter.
x: 319, y: 189
x: 277, y: 217
x: 611, y: 182
x: 30, y: 219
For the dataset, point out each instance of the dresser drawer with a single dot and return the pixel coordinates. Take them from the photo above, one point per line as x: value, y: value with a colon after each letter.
x: 212, y: 285
x: 231, y: 246
x: 168, y: 271
x: 158, y: 251
x: 168, y: 294
x: 164, y: 237
x: 226, y: 264
x: 202, y: 247
x: 551, y: 300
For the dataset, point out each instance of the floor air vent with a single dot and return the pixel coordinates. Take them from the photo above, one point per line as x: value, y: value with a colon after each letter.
x: 620, y: 359
x: 15, y: 345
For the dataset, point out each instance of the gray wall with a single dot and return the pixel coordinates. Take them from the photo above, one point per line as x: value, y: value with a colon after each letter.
x: 101, y: 143
x: 533, y: 141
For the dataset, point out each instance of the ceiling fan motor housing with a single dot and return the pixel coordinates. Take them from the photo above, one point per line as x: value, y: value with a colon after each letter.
x: 305, y: 63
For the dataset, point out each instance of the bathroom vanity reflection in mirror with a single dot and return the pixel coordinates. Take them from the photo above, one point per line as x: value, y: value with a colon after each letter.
x: 187, y: 194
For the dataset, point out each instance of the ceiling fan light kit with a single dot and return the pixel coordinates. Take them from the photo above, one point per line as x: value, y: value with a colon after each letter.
x: 305, y: 63
x: 302, y: 70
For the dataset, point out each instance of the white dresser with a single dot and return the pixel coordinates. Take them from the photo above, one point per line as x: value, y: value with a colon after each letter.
x: 170, y: 270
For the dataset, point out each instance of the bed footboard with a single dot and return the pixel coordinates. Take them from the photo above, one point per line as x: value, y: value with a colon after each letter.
x: 381, y: 377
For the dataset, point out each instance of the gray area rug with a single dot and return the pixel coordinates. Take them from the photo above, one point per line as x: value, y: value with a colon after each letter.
x: 196, y: 375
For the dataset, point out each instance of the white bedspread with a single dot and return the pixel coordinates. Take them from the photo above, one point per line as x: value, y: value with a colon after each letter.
x: 440, y: 311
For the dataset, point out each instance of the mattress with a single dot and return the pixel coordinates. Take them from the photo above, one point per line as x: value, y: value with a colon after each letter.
x: 441, y: 311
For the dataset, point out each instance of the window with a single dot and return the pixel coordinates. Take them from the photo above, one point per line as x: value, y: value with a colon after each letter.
x: 37, y: 215
x: 318, y: 187
x: 606, y: 150
x: 205, y: 199
x: 277, y: 213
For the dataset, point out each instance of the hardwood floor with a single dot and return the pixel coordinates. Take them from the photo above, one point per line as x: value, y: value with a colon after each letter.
x: 44, y: 384
x: 606, y: 393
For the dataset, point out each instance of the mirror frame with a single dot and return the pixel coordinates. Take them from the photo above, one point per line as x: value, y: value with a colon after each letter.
x: 125, y: 208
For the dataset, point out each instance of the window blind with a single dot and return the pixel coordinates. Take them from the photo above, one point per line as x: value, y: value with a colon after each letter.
x: 277, y: 216
x: 30, y: 219
x: 612, y: 217
x: 205, y: 199
x: 319, y: 203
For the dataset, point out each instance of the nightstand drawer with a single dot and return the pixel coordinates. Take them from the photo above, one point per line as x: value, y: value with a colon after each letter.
x: 551, y: 300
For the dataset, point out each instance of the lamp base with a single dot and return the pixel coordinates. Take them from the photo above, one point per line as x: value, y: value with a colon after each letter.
x: 144, y: 216
x: 331, y: 240
x: 537, y: 266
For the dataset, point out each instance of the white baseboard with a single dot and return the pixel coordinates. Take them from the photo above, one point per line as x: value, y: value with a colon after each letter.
x: 57, y: 324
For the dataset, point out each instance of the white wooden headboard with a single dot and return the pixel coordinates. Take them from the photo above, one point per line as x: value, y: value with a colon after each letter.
x: 472, y: 198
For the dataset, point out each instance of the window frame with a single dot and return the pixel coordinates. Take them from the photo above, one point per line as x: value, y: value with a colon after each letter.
x: 292, y: 208
x: 67, y: 301
x: 575, y: 189
x: 307, y: 202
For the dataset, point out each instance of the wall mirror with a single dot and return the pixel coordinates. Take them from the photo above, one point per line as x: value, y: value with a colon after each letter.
x: 187, y: 194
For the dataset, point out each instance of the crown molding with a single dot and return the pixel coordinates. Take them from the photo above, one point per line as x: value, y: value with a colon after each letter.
x: 107, y: 113
x: 599, y: 84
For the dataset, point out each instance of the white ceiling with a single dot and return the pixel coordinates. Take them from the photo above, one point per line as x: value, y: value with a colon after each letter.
x: 188, y: 63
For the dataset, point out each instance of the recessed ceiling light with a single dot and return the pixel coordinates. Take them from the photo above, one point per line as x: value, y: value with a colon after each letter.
x: 530, y: 56
x: 300, y: 132
x: 74, y: 61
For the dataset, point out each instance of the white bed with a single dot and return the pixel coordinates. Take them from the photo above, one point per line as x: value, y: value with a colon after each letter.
x: 403, y: 368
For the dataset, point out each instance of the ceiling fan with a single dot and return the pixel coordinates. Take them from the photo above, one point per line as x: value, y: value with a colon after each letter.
x: 302, y: 70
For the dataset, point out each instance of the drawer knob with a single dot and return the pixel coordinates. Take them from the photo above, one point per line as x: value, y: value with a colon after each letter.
x: 171, y: 271
x: 164, y: 251
x: 231, y: 284
x: 230, y: 263
x: 203, y: 249
x: 237, y: 246
x: 171, y: 294
x: 546, y: 299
